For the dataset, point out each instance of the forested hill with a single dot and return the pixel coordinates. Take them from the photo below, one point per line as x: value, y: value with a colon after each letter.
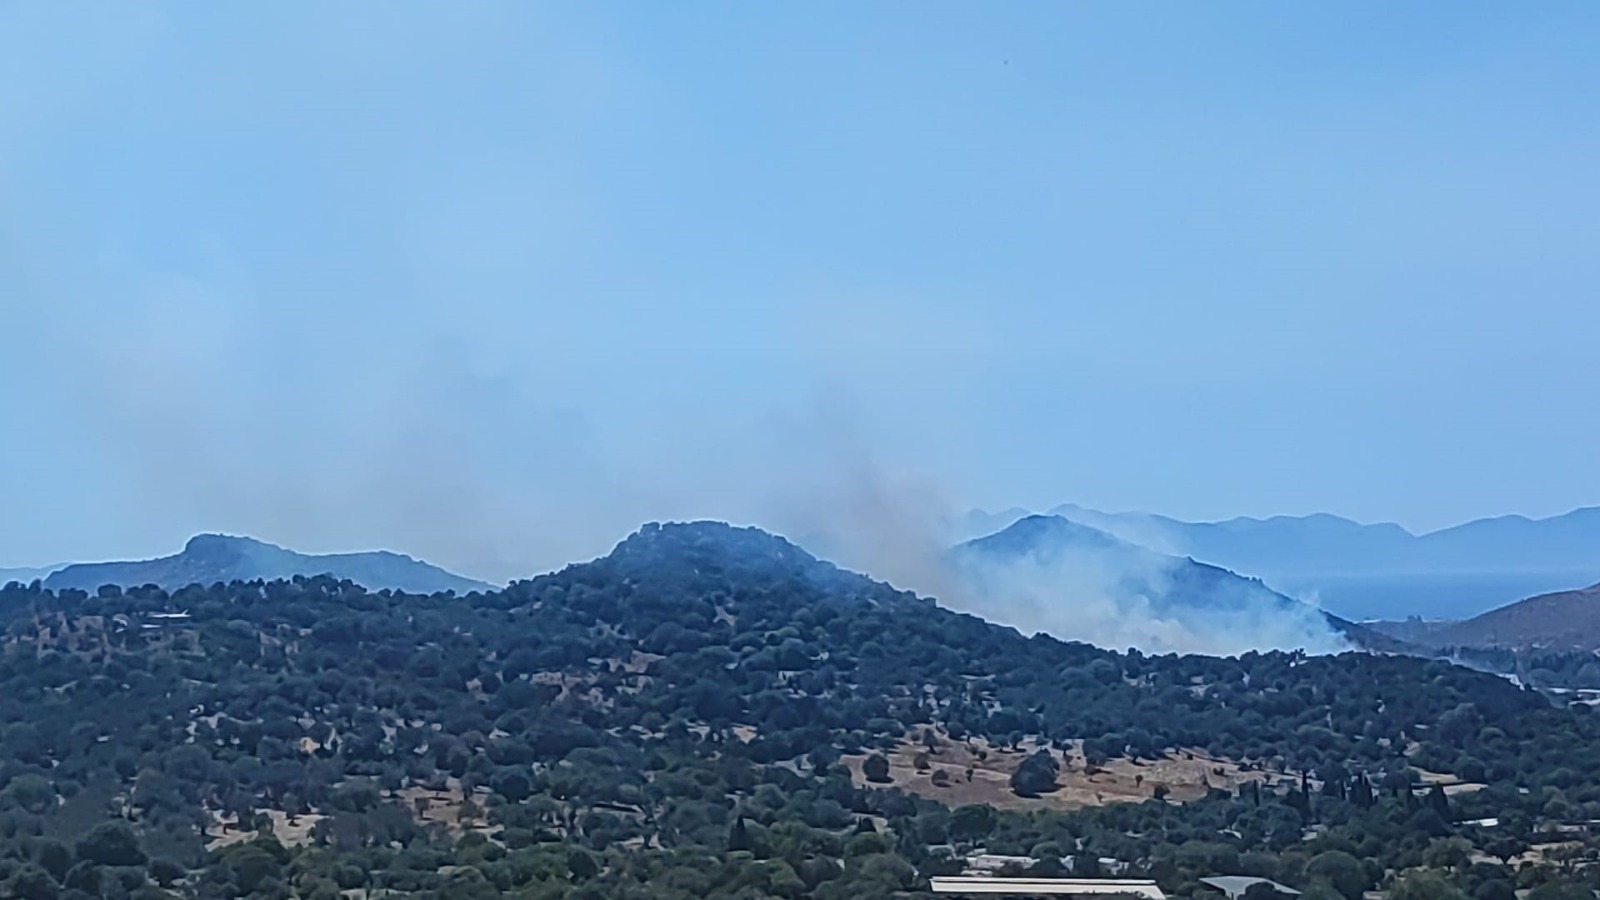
x: 711, y: 712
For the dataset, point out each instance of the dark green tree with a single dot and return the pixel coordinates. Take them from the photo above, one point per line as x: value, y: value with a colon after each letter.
x: 1036, y: 775
x: 1425, y: 884
x: 876, y: 768
x: 111, y: 844
x: 1341, y: 871
x: 32, y: 882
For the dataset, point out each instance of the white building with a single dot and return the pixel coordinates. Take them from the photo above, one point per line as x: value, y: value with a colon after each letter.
x: 1234, y: 886
x: 1049, y: 887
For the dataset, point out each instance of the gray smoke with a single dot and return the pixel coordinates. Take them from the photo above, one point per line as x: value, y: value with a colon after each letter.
x: 219, y: 417
x: 841, y: 503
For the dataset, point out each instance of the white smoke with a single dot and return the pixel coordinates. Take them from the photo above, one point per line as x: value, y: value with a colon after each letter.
x: 213, y: 421
x: 1119, y: 600
x: 838, y: 501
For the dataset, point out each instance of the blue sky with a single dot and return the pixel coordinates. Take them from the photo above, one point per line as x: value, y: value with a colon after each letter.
x: 494, y: 282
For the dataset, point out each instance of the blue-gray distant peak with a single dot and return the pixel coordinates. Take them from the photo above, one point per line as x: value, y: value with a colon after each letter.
x: 1034, y: 535
x: 209, y: 558
x: 1365, y: 571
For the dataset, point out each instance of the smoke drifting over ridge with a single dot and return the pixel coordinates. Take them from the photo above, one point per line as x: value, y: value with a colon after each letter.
x: 338, y: 340
x: 496, y: 287
x: 1109, y: 593
x: 217, y: 418
x: 838, y: 502
x: 1072, y: 581
x: 208, y: 427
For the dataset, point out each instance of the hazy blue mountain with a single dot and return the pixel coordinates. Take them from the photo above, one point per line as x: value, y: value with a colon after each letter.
x: 1326, y: 543
x: 1314, y: 543
x: 210, y: 558
x: 1363, y: 571
x: 26, y: 575
x: 980, y: 523
x: 1124, y: 580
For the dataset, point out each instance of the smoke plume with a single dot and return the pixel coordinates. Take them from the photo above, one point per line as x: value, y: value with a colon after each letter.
x: 842, y: 504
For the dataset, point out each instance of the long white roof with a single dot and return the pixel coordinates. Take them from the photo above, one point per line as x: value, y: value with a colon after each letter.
x: 1049, y: 887
x: 1236, y: 885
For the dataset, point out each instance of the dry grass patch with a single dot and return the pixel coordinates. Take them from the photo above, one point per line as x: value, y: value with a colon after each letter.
x: 291, y: 831
x: 974, y: 772
x: 448, y: 807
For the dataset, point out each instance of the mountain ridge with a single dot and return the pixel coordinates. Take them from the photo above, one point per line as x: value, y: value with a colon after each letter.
x: 1203, y: 598
x: 1379, y: 570
x: 26, y: 574
x: 209, y: 557
x: 1562, y: 621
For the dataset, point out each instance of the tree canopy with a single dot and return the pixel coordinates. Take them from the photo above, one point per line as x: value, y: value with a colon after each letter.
x: 668, y: 722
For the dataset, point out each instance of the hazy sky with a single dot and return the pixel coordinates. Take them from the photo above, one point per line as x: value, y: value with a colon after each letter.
x: 494, y: 282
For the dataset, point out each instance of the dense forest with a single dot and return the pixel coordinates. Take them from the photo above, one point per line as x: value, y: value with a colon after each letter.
x: 677, y: 720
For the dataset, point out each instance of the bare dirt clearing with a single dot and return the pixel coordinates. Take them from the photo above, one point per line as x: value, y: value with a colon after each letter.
x: 1184, y: 774
x: 291, y: 831
x: 449, y: 807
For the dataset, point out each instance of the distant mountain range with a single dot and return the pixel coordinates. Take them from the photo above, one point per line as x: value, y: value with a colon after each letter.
x: 1062, y: 562
x: 1432, y: 590
x: 26, y: 575
x: 210, y: 558
x: 1372, y: 571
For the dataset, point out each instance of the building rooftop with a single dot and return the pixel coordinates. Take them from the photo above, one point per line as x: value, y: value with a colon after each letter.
x: 1049, y: 887
x: 1236, y: 885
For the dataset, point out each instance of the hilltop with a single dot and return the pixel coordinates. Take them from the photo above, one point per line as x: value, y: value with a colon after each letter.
x: 211, y: 558
x: 1209, y: 603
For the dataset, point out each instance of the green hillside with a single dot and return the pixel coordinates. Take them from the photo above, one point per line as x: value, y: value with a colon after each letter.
x: 701, y: 714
